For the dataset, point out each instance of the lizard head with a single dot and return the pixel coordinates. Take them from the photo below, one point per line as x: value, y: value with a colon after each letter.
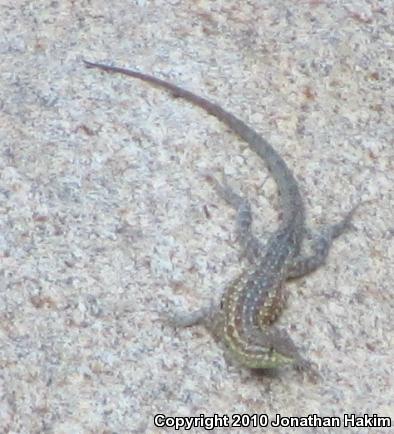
x: 282, y: 351
x: 270, y: 350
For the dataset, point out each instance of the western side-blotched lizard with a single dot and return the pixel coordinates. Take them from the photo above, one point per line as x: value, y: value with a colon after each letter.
x: 251, y: 304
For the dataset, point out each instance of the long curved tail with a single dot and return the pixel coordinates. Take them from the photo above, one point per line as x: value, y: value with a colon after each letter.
x: 290, y: 197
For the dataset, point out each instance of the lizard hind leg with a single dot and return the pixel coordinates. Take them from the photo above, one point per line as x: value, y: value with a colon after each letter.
x: 303, y: 265
x: 252, y: 247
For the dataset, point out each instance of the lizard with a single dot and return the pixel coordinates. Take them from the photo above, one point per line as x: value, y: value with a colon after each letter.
x: 254, y: 300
